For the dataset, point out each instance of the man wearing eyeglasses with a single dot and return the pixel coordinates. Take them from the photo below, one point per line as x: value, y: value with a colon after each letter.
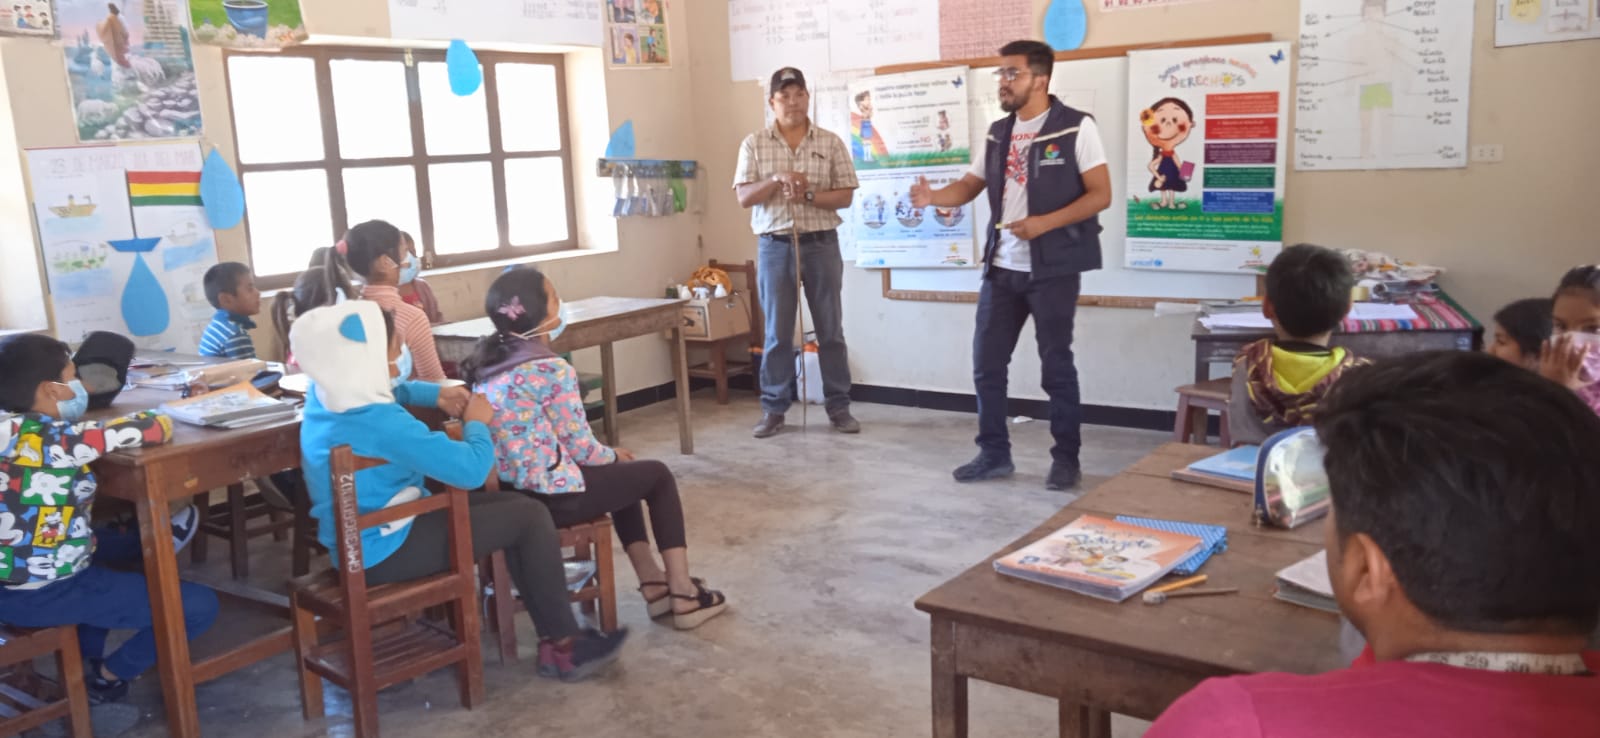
x: 1046, y: 175
x: 795, y: 177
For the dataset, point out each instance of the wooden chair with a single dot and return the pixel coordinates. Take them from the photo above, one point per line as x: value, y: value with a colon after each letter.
x: 1195, y: 402
x: 237, y: 521
x: 592, y: 541
x: 382, y: 642
x: 21, y: 707
x: 717, y: 367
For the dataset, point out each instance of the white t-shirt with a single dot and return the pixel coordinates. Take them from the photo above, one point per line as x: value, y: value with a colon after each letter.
x: 1013, y: 253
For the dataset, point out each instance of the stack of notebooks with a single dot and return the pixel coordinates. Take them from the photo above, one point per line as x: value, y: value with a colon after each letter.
x: 239, y: 406
x: 1306, y: 583
x: 1234, y: 469
x: 1101, y: 558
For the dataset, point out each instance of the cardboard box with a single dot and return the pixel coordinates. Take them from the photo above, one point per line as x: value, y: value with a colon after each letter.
x: 714, y: 318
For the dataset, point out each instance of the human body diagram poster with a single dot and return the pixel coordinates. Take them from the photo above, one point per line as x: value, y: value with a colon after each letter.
x: 902, y: 127
x: 1383, y: 84
x: 125, y: 241
x: 1206, y: 163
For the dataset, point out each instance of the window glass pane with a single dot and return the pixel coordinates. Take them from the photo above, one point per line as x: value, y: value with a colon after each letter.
x: 529, y: 119
x: 275, y: 113
x: 463, y: 207
x: 451, y: 123
x: 372, y: 108
x: 288, y: 218
x: 536, y: 200
x: 383, y: 193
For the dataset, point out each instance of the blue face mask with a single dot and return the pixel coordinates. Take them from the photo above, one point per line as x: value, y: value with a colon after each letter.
x: 73, y: 409
x: 404, y: 364
x: 410, y: 269
x: 554, y: 333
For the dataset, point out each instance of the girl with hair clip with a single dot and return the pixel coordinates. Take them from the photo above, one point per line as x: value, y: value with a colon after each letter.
x: 546, y: 449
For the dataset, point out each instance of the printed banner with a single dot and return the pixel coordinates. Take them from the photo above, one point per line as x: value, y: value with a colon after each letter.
x: 28, y: 18
x: 1206, y: 162
x: 247, y: 24
x: 1518, y: 22
x: 902, y: 127
x: 130, y: 69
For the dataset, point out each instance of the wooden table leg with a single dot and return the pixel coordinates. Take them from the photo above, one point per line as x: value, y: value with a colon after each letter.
x: 1082, y: 721
x: 166, y: 606
x: 608, y: 392
x: 680, y: 370
x: 949, y: 686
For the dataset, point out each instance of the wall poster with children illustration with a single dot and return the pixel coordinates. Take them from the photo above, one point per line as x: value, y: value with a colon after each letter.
x: 636, y: 33
x: 28, y: 18
x: 1206, y: 157
x: 125, y: 241
x: 130, y: 69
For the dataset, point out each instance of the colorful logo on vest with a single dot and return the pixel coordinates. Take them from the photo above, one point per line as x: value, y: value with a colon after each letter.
x: 1052, y: 151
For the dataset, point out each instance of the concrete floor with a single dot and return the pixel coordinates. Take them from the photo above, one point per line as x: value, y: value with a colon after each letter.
x: 821, y: 541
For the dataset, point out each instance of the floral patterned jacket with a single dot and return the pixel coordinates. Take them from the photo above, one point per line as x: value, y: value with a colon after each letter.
x: 541, y: 433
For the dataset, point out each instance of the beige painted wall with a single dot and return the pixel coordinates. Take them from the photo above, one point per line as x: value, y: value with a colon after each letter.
x: 1504, y: 230
x: 631, y: 257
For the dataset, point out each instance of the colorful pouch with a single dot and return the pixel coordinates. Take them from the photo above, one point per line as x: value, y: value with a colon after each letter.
x: 1291, y: 484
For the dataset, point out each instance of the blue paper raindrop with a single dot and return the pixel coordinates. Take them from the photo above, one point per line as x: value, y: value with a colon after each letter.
x: 1065, y: 24
x: 462, y: 66
x: 144, y: 302
x: 621, y: 144
x: 220, y: 192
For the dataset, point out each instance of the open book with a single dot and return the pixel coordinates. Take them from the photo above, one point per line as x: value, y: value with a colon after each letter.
x: 1100, y: 558
x: 238, y: 406
x: 1306, y: 583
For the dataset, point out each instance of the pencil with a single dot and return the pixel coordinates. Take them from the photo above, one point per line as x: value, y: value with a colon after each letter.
x: 1181, y: 583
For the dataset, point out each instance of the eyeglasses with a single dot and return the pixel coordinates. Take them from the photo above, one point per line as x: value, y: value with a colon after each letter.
x: 1009, y: 74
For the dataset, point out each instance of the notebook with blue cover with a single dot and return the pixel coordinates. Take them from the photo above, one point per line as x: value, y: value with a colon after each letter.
x: 1238, y: 463
x: 1214, y: 539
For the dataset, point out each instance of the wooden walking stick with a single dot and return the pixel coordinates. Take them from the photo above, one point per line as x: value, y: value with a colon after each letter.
x: 800, y: 314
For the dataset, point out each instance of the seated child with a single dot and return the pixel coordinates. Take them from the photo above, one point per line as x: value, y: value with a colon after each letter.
x: 350, y: 351
x: 47, y: 493
x: 414, y: 289
x: 1572, y: 356
x: 375, y: 252
x: 1520, y: 330
x: 1462, y: 545
x: 1278, y: 382
x: 546, y: 449
x: 317, y: 286
x: 232, y: 291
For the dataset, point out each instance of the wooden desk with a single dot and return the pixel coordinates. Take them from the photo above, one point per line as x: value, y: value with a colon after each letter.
x: 196, y: 460
x: 1099, y: 657
x: 598, y: 321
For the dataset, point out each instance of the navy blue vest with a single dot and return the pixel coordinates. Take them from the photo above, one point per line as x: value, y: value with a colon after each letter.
x: 1053, y: 183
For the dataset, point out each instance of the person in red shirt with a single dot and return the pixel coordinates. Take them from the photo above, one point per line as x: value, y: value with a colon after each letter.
x: 1463, y: 546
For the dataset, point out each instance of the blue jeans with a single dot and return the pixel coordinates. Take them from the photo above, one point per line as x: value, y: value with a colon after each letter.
x: 822, y: 270
x: 99, y: 600
x: 1005, y: 301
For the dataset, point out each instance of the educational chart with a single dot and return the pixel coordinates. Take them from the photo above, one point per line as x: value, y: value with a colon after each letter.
x: 130, y: 70
x: 831, y: 110
x: 1518, y: 22
x: 1206, y: 148
x: 830, y: 35
x: 977, y: 28
x: 1383, y: 84
x: 125, y: 241
x: 1107, y: 6
x: 247, y: 24
x: 636, y: 34
x: 556, y: 22
x: 767, y: 35
x: 866, y: 35
x: 902, y: 127
x: 28, y: 18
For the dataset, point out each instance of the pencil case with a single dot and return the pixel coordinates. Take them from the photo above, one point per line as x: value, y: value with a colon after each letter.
x: 1291, y: 483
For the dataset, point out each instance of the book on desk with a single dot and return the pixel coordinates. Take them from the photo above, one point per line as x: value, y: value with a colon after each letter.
x: 1100, y: 558
x: 239, y: 406
x: 1233, y: 470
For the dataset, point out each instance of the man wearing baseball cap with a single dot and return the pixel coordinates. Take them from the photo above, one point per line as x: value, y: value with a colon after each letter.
x: 794, y: 177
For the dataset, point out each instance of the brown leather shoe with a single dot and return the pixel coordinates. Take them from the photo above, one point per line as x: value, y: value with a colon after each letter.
x: 842, y: 422
x: 771, y: 424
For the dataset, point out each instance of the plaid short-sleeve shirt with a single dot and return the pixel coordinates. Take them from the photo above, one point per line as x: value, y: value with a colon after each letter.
x: 822, y: 157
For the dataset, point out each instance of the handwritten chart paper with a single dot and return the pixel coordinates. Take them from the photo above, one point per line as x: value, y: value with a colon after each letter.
x: 1383, y: 85
x: 865, y: 34
x: 1518, y: 22
x: 556, y: 22
x: 1110, y: 5
x: 767, y: 35
x: 978, y: 28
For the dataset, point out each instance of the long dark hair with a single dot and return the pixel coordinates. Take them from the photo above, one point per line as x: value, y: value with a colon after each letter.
x: 517, y: 302
x: 1155, y: 151
x: 365, y: 243
x: 1527, y: 322
x: 1581, y: 280
x: 318, y: 286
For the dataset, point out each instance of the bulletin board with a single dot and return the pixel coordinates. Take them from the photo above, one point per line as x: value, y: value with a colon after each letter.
x: 1094, y: 80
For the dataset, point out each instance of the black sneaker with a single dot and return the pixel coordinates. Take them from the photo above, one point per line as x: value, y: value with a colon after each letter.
x: 102, y: 690
x: 1063, y: 476
x: 984, y: 467
x: 589, y: 653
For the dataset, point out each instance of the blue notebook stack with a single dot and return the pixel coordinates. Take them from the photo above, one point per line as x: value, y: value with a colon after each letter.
x: 1214, y: 539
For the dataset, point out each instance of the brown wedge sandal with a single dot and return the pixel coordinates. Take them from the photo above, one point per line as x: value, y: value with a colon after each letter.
x: 711, y: 604
x: 661, y: 607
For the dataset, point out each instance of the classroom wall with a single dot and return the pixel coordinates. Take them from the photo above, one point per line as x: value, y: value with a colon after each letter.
x: 630, y: 257
x: 1504, y: 231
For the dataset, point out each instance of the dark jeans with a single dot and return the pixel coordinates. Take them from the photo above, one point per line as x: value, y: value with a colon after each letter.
x: 500, y: 521
x: 621, y: 490
x: 822, y: 272
x: 1005, y: 301
x: 99, y: 600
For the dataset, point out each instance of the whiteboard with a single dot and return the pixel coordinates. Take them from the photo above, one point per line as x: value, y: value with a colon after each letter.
x: 1099, y: 87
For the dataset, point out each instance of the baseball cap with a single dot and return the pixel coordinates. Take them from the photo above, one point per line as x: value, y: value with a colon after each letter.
x: 785, y: 77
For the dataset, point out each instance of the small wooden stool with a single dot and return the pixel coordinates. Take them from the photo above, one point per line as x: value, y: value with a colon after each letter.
x: 1195, y: 402
x: 21, y: 709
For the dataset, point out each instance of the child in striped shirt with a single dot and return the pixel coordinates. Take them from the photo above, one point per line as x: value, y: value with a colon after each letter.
x: 231, y: 289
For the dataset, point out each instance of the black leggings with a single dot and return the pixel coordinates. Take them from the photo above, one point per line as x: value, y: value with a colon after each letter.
x: 618, y: 489
x: 500, y: 521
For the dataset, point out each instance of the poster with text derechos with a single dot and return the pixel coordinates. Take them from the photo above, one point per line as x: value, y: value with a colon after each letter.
x: 902, y: 127
x: 1206, y: 161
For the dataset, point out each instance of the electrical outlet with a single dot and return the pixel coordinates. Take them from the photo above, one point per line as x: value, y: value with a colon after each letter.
x: 1488, y: 153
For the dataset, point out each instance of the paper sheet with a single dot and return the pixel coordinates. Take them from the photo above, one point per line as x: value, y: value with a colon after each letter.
x: 568, y: 22
x: 1311, y: 574
x: 1518, y: 22
x: 1381, y: 311
x: 881, y: 33
x: 766, y: 35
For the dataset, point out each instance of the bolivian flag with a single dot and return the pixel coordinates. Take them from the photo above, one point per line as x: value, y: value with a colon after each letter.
x: 163, y: 188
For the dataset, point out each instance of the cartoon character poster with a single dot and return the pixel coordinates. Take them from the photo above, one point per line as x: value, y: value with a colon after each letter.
x: 247, y: 24
x: 1206, y: 159
x: 28, y: 18
x: 636, y: 32
x: 130, y: 69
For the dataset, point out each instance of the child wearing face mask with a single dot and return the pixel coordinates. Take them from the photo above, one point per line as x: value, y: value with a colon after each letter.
x: 414, y: 289
x: 546, y: 449
x: 376, y: 252
x: 47, y: 492
x: 1571, y: 357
